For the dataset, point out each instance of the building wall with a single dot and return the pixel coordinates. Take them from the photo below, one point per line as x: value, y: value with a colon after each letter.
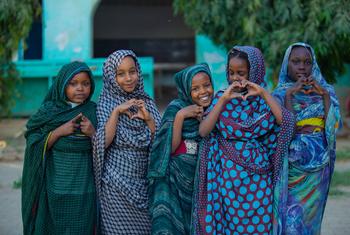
x: 67, y: 27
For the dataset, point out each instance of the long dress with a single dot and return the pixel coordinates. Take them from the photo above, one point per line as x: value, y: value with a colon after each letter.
x: 121, y: 169
x: 241, y: 170
x: 311, y: 155
x: 171, y: 175
x: 58, y: 190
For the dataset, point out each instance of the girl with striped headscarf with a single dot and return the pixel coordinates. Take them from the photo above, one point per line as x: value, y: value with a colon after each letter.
x: 127, y: 121
x: 240, y: 176
x: 303, y: 90
x: 175, y: 152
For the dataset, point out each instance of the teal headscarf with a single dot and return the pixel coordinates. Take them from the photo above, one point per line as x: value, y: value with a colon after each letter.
x: 161, y: 149
x: 53, y: 112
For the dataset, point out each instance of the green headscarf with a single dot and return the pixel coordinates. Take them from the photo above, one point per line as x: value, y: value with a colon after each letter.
x: 53, y: 112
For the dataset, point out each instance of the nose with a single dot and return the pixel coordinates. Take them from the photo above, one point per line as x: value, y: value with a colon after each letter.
x: 301, y: 66
x: 128, y: 77
x: 80, y: 87
x: 236, y: 77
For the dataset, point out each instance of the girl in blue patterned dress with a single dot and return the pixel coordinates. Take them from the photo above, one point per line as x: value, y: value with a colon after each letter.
x: 303, y: 90
x: 240, y: 168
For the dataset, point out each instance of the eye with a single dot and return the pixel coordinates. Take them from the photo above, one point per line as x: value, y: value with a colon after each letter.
x: 296, y: 62
x: 72, y: 83
x: 120, y: 74
x: 308, y: 62
x: 133, y: 71
x: 86, y: 84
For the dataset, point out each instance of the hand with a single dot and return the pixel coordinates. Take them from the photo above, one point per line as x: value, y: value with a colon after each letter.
x: 86, y: 127
x: 124, y: 107
x: 194, y: 111
x: 297, y: 87
x: 142, y: 112
x: 253, y: 89
x: 232, y: 91
x: 69, y: 127
x: 316, y: 88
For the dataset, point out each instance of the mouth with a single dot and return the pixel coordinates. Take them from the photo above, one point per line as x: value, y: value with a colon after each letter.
x: 205, y: 98
x: 80, y: 96
x: 130, y: 85
x: 301, y: 75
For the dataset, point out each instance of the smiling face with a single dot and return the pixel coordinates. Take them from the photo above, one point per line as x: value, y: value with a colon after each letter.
x: 78, y: 88
x: 299, y: 63
x: 238, y: 71
x: 126, y: 75
x: 201, y: 89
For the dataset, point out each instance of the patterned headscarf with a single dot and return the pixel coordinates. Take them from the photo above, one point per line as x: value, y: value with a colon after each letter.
x: 256, y: 61
x: 133, y: 133
x: 311, y: 105
x: 284, y: 82
x: 161, y: 148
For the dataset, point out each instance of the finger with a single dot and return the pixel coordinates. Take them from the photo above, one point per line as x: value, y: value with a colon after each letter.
x: 244, y: 83
x: 128, y: 113
x: 244, y: 97
x: 77, y: 117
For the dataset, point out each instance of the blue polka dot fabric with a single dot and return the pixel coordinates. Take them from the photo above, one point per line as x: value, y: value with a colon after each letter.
x: 239, y: 165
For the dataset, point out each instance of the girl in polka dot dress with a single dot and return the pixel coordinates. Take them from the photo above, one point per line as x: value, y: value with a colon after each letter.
x: 239, y: 181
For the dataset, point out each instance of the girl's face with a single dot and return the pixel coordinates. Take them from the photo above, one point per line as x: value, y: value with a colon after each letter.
x: 299, y: 63
x: 78, y: 88
x: 238, y: 71
x: 201, y: 89
x: 127, y: 75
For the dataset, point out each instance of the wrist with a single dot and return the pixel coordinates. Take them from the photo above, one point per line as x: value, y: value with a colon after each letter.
x: 263, y: 93
x: 149, y: 119
x: 181, y: 114
x: 55, y: 134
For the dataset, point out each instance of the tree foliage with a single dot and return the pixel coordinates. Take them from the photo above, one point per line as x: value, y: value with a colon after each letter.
x: 272, y: 25
x: 16, y: 17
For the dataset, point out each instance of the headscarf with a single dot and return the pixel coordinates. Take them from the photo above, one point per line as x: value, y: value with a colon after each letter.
x: 161, y: 149
x: 131, y: 133
x: 54, y: 111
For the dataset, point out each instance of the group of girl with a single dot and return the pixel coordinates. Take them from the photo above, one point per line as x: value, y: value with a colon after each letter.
x: 241, y: 161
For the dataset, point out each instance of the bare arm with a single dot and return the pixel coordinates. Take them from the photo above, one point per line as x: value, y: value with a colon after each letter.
x: 275, y: 107
x: 177, y: 131
x: 111, y: 127
x: 208, y: 124
x: 194, y: 111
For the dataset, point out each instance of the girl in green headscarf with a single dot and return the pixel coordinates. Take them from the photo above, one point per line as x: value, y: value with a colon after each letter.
x: 58, y: 192
x: 174, y: 153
